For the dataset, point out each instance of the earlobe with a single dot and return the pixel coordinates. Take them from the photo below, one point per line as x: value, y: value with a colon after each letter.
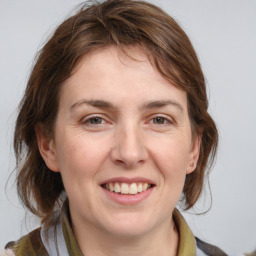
x: 194, y: 154
x: 47, y: 148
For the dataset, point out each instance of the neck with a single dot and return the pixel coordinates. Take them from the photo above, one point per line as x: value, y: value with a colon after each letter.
x: 163, y: 240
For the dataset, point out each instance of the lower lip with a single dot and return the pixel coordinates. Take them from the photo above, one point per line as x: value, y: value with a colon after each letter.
x: 128, y: 199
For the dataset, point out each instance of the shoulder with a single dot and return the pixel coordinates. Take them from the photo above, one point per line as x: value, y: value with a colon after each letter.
x: 208, y: 249
x: 30, y: 244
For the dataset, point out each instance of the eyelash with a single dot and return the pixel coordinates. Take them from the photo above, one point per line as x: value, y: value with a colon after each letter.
x: 166, y: 121
x: 88, y: 121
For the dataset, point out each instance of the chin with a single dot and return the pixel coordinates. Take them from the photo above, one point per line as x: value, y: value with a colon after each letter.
x: 131, y: 225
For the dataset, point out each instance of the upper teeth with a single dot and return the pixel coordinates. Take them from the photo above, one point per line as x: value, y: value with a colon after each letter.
x: 125, y: 188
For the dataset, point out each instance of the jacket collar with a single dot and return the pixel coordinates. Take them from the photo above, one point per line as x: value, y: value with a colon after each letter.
x: 187, y: 242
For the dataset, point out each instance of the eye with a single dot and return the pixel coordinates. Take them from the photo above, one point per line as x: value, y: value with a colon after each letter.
x: 95, y: 120
x: 160, y: 120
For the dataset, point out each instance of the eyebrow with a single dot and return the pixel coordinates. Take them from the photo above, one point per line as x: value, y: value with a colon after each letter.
x: 162, y: 103
x: 93, y: 103
x: 108, y: 105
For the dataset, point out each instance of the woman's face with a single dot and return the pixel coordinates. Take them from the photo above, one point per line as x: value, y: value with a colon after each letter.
x: 122, y: 144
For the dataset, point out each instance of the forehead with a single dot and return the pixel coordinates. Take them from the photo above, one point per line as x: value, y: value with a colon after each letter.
x: 115, y: 76
x: 113, y: 59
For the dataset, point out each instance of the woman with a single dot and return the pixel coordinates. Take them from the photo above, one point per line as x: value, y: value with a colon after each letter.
x: 112, y: 132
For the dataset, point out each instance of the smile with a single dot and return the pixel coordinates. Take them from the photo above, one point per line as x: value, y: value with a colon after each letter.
x: 126, y: 188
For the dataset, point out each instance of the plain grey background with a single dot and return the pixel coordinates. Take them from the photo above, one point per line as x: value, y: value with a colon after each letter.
x: 223, y: 33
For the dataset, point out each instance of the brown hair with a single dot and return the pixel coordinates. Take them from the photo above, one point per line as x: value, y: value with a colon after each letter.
x: 121, y: 23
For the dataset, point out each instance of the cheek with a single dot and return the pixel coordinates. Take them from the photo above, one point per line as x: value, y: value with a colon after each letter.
x: 171, y: 158
x: 80, y: 157
x: 172, y: 155
x: 80, y: 160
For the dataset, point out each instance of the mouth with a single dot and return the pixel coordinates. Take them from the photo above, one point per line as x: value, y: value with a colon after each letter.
x: 127, y: 188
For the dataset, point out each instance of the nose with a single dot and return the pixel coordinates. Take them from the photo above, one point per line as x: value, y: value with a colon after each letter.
x: 129, y: 148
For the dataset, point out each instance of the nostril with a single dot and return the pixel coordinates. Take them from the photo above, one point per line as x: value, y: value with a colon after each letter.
x: 128, y: 153
x: 120, y: 162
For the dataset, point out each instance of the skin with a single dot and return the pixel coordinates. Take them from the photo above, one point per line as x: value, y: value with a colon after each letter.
x: 134, y: 137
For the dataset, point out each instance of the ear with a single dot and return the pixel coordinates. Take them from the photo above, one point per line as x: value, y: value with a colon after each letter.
x: 194, y: 153
x: 47, y: 148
